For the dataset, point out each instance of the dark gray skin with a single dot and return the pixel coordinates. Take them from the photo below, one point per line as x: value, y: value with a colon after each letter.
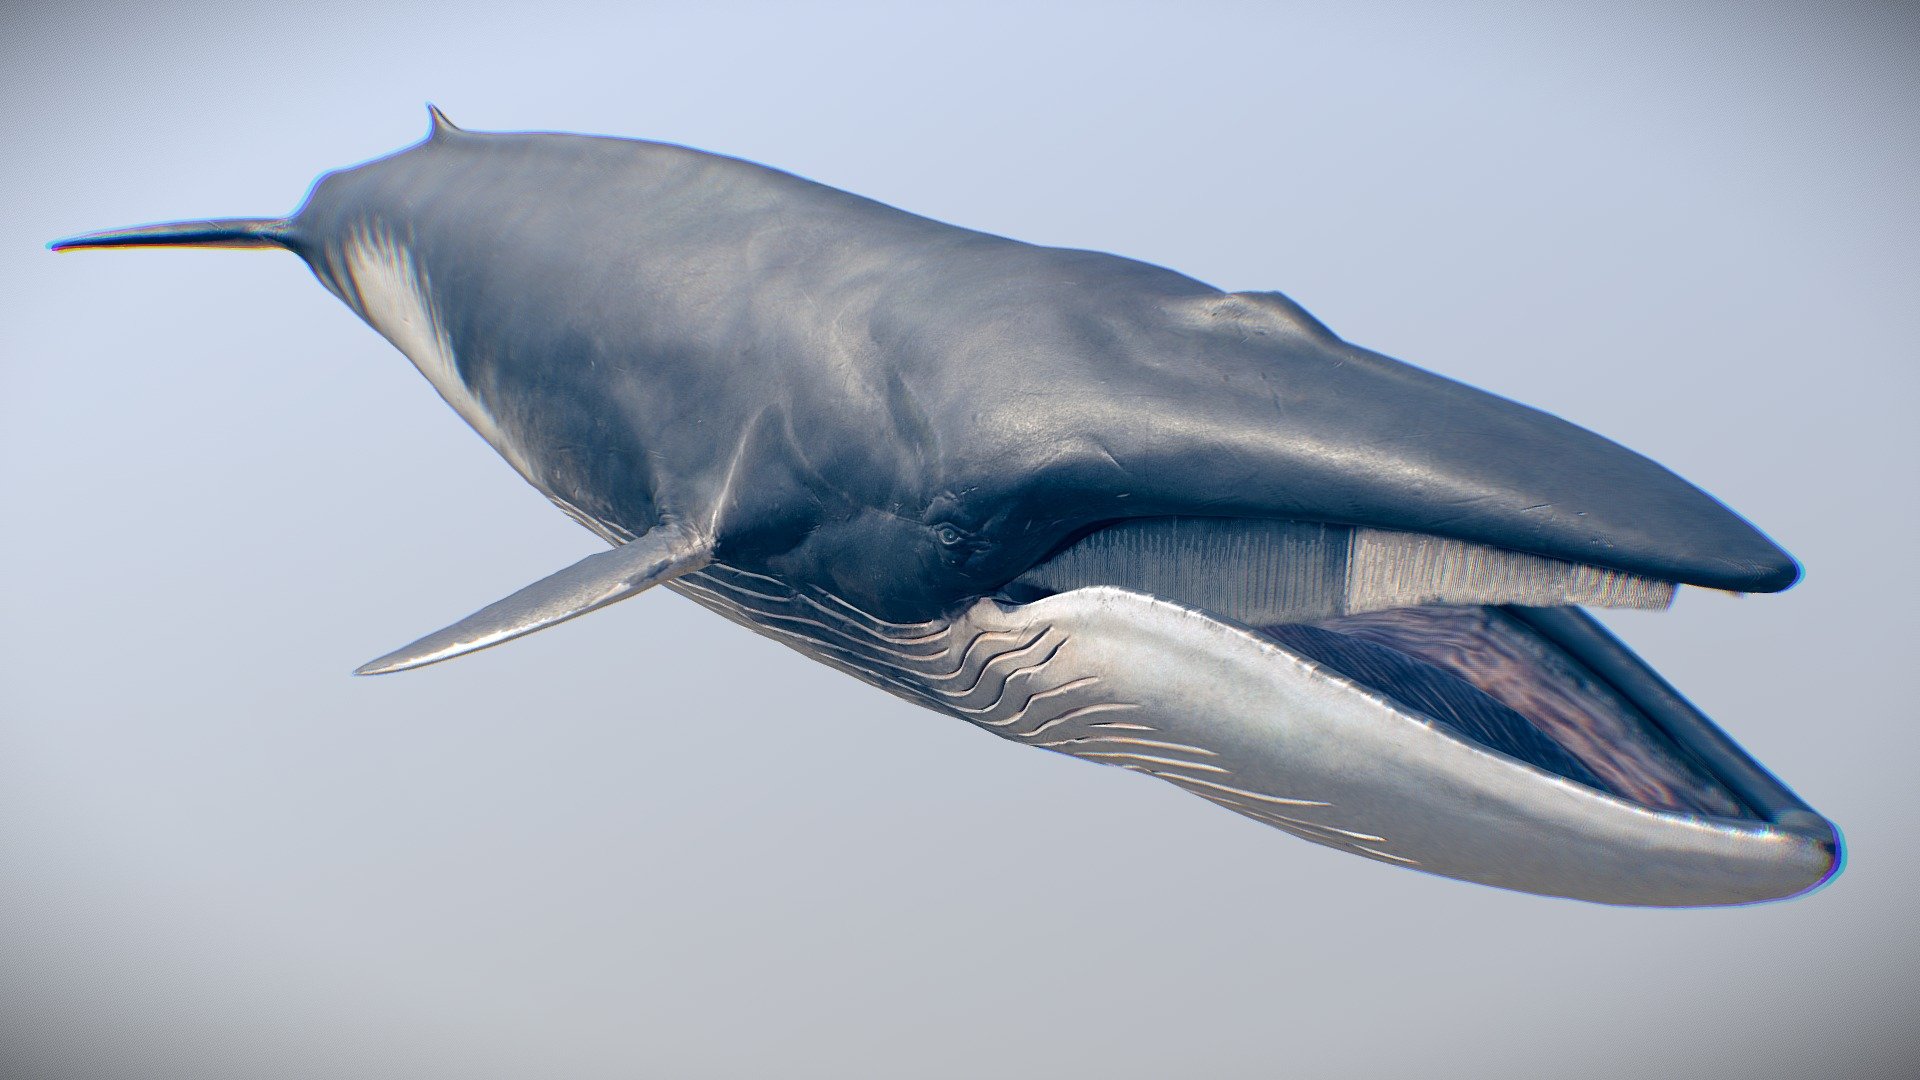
x: 913, y: 413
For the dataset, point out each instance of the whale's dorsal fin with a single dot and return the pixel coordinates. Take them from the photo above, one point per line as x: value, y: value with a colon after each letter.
x: 661, y: 554
x: 438, y: 124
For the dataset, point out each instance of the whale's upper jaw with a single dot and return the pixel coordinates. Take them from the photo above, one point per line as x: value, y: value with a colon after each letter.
x: 1267, y: 417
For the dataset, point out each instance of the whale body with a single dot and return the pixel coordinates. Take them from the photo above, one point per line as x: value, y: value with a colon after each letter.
x: 1080, y: 501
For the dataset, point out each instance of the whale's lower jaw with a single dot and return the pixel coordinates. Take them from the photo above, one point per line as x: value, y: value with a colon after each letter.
x: 1232, y: 715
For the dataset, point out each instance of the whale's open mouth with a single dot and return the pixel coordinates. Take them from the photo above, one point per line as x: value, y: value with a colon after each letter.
x: 1514, y: 680
x: 1488, y: 648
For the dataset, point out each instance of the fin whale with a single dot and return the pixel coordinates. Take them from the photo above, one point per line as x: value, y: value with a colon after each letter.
x: 1080, y: 501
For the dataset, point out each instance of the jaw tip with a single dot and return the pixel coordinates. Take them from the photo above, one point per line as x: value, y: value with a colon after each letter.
x: 1757, y: 565
x: 1826, y: 838
x: 1782, y: 574
x: 1823, y: 858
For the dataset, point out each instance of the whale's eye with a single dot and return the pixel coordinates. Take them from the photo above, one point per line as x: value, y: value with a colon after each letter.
x: 947, y: 534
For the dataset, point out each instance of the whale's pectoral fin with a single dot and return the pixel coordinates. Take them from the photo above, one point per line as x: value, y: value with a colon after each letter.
x: 661, y: 554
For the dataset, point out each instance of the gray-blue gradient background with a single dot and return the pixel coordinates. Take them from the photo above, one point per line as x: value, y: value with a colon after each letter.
x: 649, y: 843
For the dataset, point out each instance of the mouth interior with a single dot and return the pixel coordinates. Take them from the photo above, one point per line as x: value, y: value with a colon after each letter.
x: 1491, y: 679
x: 1438, y: 626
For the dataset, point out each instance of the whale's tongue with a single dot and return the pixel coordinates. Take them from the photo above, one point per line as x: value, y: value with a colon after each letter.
x: 1490, y: 678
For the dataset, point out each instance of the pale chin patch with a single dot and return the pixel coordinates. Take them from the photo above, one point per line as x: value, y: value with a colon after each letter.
x: 389, y: 290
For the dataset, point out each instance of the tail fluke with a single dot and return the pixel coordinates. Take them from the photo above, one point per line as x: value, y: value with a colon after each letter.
x: 227, y: 233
